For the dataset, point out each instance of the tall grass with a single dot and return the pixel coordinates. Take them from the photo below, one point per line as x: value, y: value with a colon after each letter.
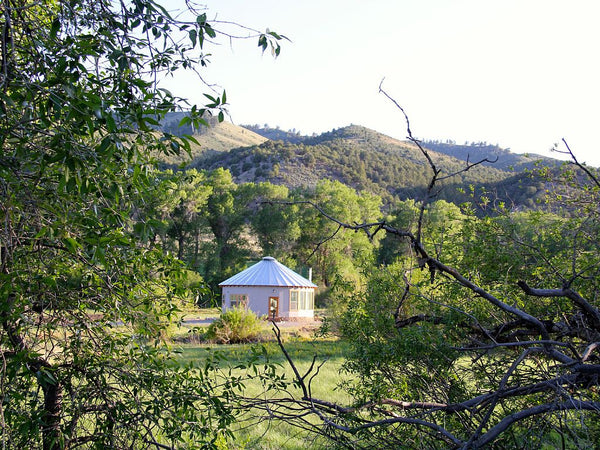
x: 268, y: 434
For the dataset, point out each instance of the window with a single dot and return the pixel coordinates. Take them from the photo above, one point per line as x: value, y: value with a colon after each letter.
x: 309, y: 300
x: 302, y: 300
x: 238, y: 300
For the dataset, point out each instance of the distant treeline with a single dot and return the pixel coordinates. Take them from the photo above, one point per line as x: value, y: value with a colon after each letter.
x: 216, y: 224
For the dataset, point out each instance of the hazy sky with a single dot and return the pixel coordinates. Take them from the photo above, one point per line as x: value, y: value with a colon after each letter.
x: 519, y: 73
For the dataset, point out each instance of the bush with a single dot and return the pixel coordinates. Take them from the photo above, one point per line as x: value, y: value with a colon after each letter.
x: 234, y: 326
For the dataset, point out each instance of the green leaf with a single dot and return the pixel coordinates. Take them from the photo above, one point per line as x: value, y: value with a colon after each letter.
x: 210, y: 31
x: 71, y: 244
x: 262, y: 42
x: 211, y: 98
x: 193, y: 34
x: 55, y: 28
x: 110, y: 123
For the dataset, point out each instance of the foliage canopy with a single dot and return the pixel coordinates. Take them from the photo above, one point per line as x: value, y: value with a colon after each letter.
x: 83, y: 298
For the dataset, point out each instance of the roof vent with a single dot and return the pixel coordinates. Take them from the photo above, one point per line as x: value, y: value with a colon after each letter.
x: 268, y: 258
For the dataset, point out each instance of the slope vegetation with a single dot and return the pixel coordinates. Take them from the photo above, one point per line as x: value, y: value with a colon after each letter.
x: 502, y: 158
x: 354, y: 155
x: 365, y: 160
x: 216, y: 138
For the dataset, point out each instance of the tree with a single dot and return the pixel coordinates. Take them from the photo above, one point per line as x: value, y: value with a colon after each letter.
x: 226, y: 214
x: 277, y: 228
x: 185, y: 219
x: 495, y: 345
x: 441, y: 222
x: 82, y: 302
x: 333, y: 251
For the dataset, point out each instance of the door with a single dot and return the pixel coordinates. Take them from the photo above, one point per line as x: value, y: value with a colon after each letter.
x: 273, y: 307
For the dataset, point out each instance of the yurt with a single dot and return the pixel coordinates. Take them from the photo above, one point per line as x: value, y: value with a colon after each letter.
x: 270, y: 289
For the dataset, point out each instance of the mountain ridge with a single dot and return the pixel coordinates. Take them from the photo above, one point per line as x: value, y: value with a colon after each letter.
x: 368, y: 160
x: 357, y: 156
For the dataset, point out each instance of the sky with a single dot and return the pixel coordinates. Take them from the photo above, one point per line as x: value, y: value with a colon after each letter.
x: 523, y: 74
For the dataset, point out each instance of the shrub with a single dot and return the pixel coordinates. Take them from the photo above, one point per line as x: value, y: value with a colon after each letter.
x: 234, y: 326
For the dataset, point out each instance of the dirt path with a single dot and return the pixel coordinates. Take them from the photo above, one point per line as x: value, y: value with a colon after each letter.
x: 282, y: 324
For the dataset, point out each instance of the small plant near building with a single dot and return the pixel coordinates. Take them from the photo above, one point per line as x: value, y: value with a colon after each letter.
x: 236, y: 325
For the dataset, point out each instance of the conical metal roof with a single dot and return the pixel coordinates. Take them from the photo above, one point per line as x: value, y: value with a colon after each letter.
x: 268, y: 272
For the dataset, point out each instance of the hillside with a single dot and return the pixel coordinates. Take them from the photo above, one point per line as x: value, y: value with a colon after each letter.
x: 354, y: 155
x: 216, y: 138
x: 365, y: 160
x: 224, y: 136
x: 503, y: 159
x: 276, y: 134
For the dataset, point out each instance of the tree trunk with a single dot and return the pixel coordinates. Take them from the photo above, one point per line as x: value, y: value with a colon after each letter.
x: 53, y: 396
x: 180, y: 243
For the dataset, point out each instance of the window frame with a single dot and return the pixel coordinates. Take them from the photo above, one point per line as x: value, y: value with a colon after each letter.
x: 237, y: 300
x: 302, y: 300
x: 294, y: 301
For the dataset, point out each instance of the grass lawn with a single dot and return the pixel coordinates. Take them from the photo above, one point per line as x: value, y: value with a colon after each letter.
x: 200, y: 313
x: 270, y: 434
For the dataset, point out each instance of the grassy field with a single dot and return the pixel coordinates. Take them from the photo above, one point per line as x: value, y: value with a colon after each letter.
x: 270, y: 434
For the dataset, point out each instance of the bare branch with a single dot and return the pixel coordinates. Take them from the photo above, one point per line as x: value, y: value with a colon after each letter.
x: 489, y: 297
x: 418, y: 318
x: 436, y: 177
x: 592, y: 313
x: 508, y: 421
x: 546, y: 361
x: 522, y: 344
x: 581, y: 166
x: 468, y: 167
x: 588, y: 351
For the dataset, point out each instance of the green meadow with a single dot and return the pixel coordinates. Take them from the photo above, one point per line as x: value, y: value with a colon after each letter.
x: 302, y: 346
